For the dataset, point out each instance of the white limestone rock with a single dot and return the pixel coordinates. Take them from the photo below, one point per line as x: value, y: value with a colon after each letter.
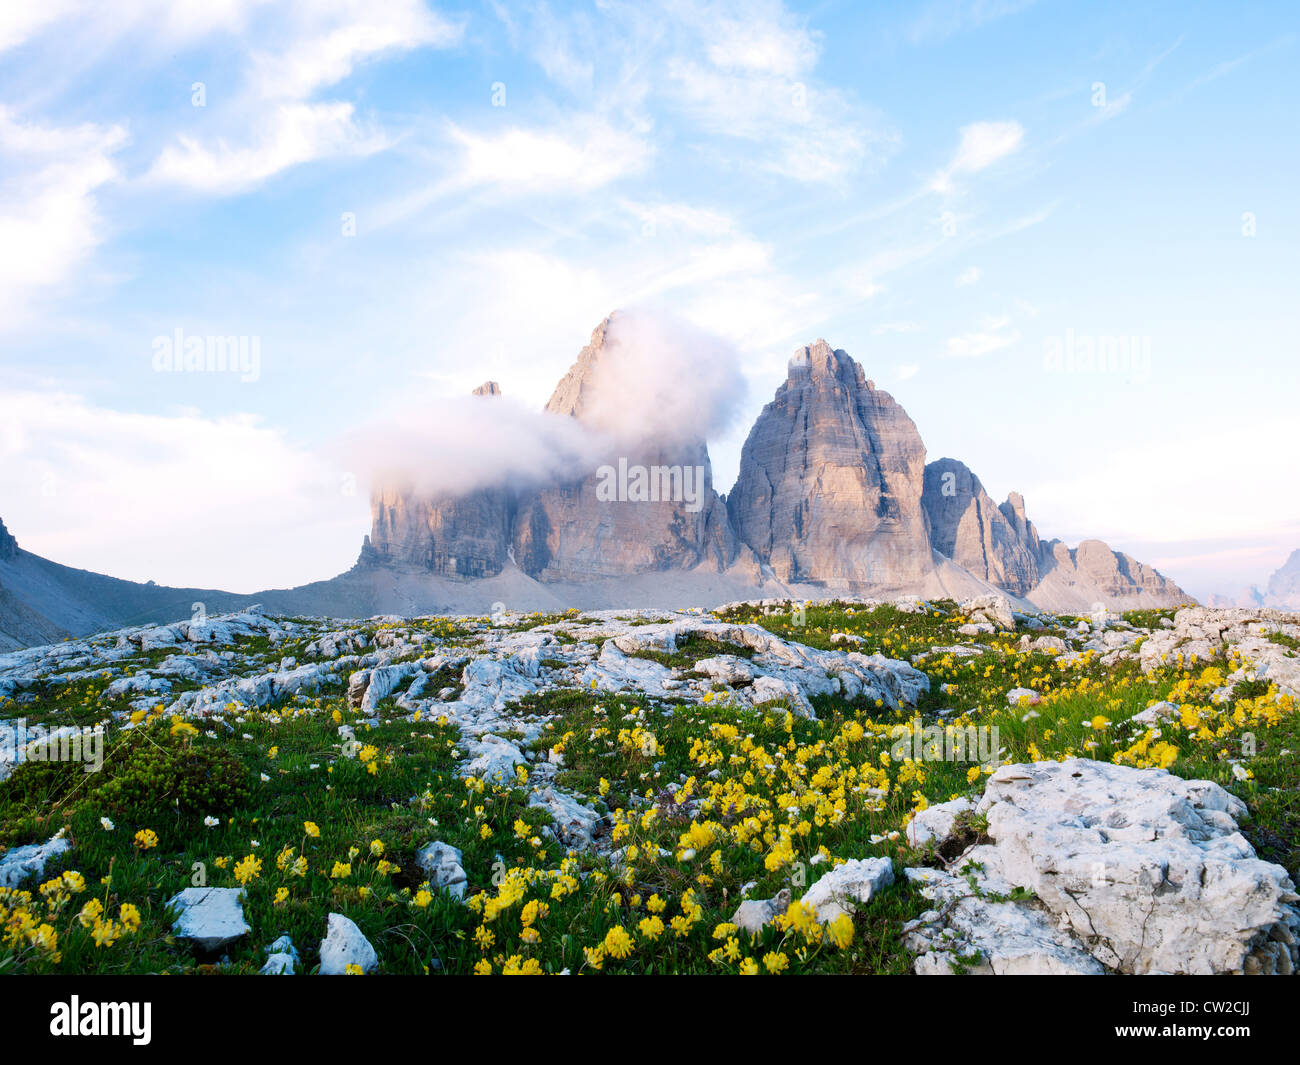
x: 18, y: 863
x: 994, y: 610
x: 1145, y: 871
x: 576, y: 824
x: 752, y: 914
x: 209, y: 917
x: 935, y: 822
x: 345, y: 945
x: 441, y: 863
x: 282, y: 958
x: 1156, y: 714
x: 850, y: 885
x: 986, y: 936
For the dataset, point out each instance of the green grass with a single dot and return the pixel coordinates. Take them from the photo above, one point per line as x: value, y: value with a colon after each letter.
x: 712, y: 785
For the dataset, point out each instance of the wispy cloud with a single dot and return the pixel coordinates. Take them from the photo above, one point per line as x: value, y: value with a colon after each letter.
x: 982, y: 145
x: 274, y: 123
x: 942, y: 19
x: 994, y: 333
x: 50, y: 220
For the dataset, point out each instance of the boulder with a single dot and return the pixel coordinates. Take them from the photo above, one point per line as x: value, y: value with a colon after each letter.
x: 209, y: 917
x: 345, y: 945
x: 1145, y: 871
x: 850, y: 885
x: 441, y: 863
x: 18, y: 863
x: 752, y: 914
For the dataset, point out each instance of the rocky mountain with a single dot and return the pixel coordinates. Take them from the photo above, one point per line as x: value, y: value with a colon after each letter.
x: 830, y: 480
x: 564, y: 532
x: 453, y: 536
x: 567, y: 532
x: 1000, y: 545
x: 833, y: 497
x: 996, y: 543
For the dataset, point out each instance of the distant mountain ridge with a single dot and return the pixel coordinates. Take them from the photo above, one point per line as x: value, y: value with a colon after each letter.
x: 1281, y: 592
x: 834, y: 497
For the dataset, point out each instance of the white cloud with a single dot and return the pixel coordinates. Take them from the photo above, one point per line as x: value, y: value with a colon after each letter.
x: 757, y: 39
x: 339, y: 36
x: 589, y: 154
x: 49, y: 217
x: 982, y: 144
x: 995, y: 332
x: 292, y: 134
x: 274, y: 124
x: 102, y: 489
x: 805, y: 132
x: 739, y: 74
x: 888, y: 328
x: 969, y: 276
x: 906, y: 371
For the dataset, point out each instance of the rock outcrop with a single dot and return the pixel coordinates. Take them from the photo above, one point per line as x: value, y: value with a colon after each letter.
x: 575, y: 531
x: 997, y: 544
x: 1134, y: 870
x: 1001, y: 546
x: 831, y: 478
x: 454, y: 536
x: 1284, y: 585
x: 1076, y: 579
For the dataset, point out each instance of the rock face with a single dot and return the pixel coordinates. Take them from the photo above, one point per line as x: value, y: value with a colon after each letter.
x: 569, y: 532
x: 1283, y: 586
x: 572, y: 531
x: 966, y: 526
x: 453, y: 536
x: 1135, y: 870
x: 1076, y: 578
x: 831, y: 478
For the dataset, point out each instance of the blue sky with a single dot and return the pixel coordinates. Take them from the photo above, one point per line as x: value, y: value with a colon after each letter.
x: 952, y: 192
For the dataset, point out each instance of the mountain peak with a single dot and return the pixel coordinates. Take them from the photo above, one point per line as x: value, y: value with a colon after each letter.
x: 571, y: 394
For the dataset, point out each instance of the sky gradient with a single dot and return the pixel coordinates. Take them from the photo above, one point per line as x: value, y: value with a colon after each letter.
x: 397, y: 201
